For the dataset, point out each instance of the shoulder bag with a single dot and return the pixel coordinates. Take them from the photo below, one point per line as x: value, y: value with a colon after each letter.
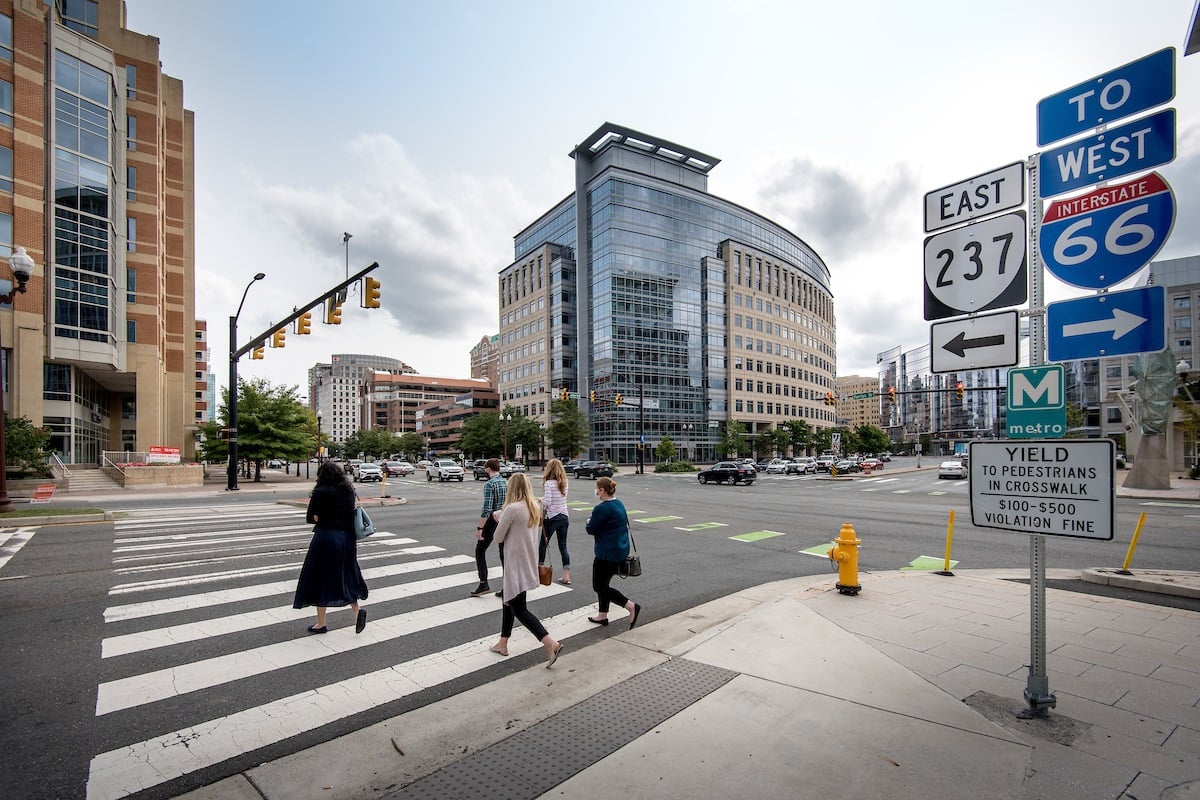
x: 545, y: 571
x: 363, y: 527
x: 631, y: 567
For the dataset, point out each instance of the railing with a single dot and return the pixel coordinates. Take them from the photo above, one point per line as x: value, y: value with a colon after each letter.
x: 114, y: 458
x: 57, y: 468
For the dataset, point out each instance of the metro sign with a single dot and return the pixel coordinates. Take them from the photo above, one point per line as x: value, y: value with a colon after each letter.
x: 1099, y: 239
x: 1035, y: 405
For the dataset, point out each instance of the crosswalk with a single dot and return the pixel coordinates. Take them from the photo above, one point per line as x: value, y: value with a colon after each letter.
x: 919, y: 483
x: 205, y: 660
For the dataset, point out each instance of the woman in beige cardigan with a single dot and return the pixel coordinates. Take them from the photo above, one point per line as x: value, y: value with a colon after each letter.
x: 520, y: 523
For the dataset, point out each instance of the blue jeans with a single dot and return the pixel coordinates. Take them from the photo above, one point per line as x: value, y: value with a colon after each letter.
x: 551, y: 527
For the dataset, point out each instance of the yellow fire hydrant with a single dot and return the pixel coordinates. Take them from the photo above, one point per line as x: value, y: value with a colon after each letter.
x: 844, y: 553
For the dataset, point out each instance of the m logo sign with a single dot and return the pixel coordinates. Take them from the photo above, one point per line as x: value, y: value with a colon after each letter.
x: 1036, y: 407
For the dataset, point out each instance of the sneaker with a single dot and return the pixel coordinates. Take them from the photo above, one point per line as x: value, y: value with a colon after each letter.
x: 481, y: 590
x: 500, y: 593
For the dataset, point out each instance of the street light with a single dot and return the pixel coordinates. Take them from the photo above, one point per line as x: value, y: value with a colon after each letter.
x: 687, y: 429
x: 507, y: 418
x: 232, y: 483
x: 320, y: 438
x: 22, y: 268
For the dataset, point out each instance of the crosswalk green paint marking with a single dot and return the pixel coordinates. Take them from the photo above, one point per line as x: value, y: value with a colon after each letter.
x: 821, y: 550
x: 928, y: 564
x: 755, y: 536
x: 701, y: 526
x: 667, y: 518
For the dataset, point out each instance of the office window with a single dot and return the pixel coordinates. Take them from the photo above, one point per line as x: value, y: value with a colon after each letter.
x: 6, y: 169
x: 6, y: 103
x: 1182, y: 303
x: 6, y: 41
x: 131, y: 330
x: 130, y: 132
x: 131, y: 234
x: 131, y: 81
x: 131, y: 287
x: 131, y: 183
x: 82, y: 16
x: 1182, y: 323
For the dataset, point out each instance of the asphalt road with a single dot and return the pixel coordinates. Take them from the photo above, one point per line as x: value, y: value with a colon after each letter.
x: 74, y: 701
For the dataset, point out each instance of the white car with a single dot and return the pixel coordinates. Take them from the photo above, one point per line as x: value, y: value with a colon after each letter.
x: 776, y: 466
x: 952, y: 469
x: 444, y: 470
x: 367, y: 471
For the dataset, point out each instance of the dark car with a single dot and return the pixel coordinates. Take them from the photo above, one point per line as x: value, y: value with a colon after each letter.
x: 571, y: 466
x: 594, y: 469
x: 478, y: 468
x: 728, y: 472
x: 846, y: 467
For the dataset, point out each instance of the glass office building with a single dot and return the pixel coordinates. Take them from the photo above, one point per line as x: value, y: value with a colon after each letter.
x: 692, y: 309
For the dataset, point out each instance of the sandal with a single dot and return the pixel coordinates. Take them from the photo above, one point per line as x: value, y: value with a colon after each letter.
x: 565, y: 581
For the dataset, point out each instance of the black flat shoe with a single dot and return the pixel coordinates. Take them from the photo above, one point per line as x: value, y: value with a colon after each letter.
x: 637, y: 609
x: 595, y: 621
x: 315, y: 629
x: 360, y: 621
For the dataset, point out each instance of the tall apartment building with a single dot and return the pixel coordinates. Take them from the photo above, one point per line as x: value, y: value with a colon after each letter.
x: 392, y: 401
x: 205, y: 390
x: 643, y: 284
x: 854, y: 412
x: 335, y: 390
x: 96, y: 183
x: 485, y: 358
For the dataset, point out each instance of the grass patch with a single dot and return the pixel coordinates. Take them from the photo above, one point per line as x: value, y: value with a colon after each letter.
x: 49, y: 512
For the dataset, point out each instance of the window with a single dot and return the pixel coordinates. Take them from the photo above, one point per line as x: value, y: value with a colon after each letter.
x: 130, y: 132
x: 1183, y: 303
x: 1114, y: 414
x: 6, y: 37
x: 131, y: 286
x: 131, y: 330
x: 131, y: 81
x: 6, y: 169
x: 1182, y: 323
x: 82, y: 16
x: 131, y: 183
x: 131, y: 234
x: 6, y: 103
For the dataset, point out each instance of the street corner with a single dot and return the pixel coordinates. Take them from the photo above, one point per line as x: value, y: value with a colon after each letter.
x: 386, y: 500
x: 1173, y: 582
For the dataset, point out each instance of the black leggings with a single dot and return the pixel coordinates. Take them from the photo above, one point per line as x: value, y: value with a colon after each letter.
x: 481, y: 546
x: 516, y: 608
x: 602, y: 574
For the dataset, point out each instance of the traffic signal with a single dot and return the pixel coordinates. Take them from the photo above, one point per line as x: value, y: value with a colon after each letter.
x: 829, y: 401
x: 279, y: 338
x: 958, y: 389
x: 257, y: 353
x: 619, y: 399
x: 371, y: 293
x: 892, y: 394
x: 304, y: 323
x: 564, y: 394
x: 592, y: 395
x: 333, y: 311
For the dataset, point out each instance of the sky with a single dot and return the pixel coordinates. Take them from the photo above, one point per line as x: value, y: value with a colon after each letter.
x: 435, y: 132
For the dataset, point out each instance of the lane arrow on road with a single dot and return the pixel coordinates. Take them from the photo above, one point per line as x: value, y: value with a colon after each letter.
x: 960, y: 344
x: 1120, y: 323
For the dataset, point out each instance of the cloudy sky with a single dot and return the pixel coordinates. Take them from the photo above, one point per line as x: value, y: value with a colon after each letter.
x: 434, y: 132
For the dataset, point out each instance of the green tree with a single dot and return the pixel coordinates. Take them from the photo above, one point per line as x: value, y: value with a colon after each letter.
x: 822, y: 439
x: 272, y: 424
x: 375, y: 443
x: 570, y: 432
x: 213, y: 448
x: 412, y: 445
x: 665, y: 451
x: 799, y: 435
x: 733, y: 437
x: 524, y: 431
x: 1076, y: 420
x: 481, y: 435
x: 872, y: 439
x: 25, y: 445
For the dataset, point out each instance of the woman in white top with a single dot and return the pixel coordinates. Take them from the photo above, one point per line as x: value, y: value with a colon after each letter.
x: 519, y: 528
x: 554, y: 501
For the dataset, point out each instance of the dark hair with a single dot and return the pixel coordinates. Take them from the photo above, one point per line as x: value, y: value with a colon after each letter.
x: 493, y: 464
x: 331, y: 474
x: 607, y: 484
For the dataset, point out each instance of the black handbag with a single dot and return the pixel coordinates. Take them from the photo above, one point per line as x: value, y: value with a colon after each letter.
x: 631, y: 567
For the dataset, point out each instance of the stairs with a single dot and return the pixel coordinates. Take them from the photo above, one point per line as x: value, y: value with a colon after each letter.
x: 90, y: 478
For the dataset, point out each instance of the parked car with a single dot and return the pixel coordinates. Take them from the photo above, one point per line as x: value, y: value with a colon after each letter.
x: 594, y: 469
x: 479, y: 469
x: 803, y: 465
x: 508, y: 468
x: 846, y: 466
x: 367, y: 471
x: 825, y: 462
x: 776, y: 466
x: 400, y: 468
x: 572, y: 465
x: 885, y: 456
x: 731, y: 472
x: 275, y: 463
x: 952, y: 469
x: 871, y: 464
x: 423, y: 463
x: 749, y: 462
x: 444, y: 469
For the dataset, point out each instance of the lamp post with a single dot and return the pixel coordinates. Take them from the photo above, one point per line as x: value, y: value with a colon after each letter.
x: 22, y: 269
x: 687, y: 429
x: 232, y: 483
x: 506, y: 418
x: 320, y: 439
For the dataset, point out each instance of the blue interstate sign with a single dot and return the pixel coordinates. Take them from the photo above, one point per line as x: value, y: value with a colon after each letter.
x: 1101, y: 238
x: 1105, y: 99
x: 1135, y: 146
x: 1113, y: 324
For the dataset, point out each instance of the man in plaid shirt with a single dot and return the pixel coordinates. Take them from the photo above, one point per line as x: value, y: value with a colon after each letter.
x: 493, y: 500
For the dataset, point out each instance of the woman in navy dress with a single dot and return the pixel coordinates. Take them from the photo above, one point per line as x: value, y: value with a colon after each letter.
x: 330, y: 575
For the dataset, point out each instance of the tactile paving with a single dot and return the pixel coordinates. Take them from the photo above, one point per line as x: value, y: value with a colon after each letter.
x: 534, y: 761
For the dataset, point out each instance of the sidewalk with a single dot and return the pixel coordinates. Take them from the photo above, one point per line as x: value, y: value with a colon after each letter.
x: 908, y: 690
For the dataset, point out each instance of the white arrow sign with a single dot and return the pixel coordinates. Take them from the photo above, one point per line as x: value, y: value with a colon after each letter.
x: 1121, y: 323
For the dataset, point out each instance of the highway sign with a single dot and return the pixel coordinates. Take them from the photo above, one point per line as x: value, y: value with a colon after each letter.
x: 1105, y: 99
x: 1135, y: 146
x: 978, y: 267
x: 1099, y: 239
x: 1035, y: 404
x: 989, y: 193
x: 988, y: 340
x: 1112, y: 324
x: 1061, y: 487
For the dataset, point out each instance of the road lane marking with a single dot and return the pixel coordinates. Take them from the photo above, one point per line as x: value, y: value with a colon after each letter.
x: 701, y: 526
x: 755, y: 536
x: 364, y: 548
x: 666, y: 518
x: 11, y: 542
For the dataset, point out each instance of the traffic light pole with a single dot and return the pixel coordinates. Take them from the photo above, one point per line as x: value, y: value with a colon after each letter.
x: 236, y: 353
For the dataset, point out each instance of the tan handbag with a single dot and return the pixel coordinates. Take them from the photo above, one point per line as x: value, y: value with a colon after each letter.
x: 545, y: 574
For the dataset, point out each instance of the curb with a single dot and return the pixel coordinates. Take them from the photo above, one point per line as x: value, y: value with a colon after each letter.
x: 57, y: 519
x: 1179, y: 584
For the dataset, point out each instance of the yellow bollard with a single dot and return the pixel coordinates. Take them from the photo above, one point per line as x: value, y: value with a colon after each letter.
x: 844, y: 553
x: 945, y: 570
x: 1133, y: 544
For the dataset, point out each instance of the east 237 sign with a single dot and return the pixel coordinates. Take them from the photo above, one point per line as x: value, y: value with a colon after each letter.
x: 978, y: 267
x: 1101, y: 238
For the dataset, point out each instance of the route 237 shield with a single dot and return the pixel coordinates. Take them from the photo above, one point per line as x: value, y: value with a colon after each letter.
x: 978, y: 267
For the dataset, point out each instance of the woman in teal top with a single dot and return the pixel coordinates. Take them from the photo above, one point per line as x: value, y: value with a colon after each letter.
x: 609, y: 525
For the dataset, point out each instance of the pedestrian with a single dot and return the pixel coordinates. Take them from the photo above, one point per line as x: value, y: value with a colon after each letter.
x: 610, y: 525
x: 330, y: 575
x: 493, y: 500
x: 518, y: 531
x: 556, y: 520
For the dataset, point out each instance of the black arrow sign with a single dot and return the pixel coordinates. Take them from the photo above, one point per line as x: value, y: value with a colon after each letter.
x: 960, y: 344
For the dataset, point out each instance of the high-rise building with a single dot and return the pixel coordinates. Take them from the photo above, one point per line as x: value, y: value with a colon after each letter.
x: 335, y: 390
x: 96, y: 183
x: 853, y: 412
x: 693, y: 309
x: 485, y: 358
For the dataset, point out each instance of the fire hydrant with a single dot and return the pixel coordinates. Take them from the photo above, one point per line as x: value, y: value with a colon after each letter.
x: 844, y: 553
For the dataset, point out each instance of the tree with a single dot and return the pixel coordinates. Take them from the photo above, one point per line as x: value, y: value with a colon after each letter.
x: 800, y: 435
x: 822, y: 439
x: 665, y: 451
x: 412, y: 445
x: 872, y: 439
x: 1076, y: 420
x: 373, y: 443
x: 25, y: 445
x: 272, y: 424
x: 733, y: 435
x: 570, y: 432
x: 481, y: 435
x: 213, y: 448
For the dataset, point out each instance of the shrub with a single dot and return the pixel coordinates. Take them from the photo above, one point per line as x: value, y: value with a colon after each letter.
x: 675, y: 466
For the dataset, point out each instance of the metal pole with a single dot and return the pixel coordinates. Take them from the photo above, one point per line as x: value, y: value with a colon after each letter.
x: 5, y: 502
x: 232, y: 481
x: 642, y: 424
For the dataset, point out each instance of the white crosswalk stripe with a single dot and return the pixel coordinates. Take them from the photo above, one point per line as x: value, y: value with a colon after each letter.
x: 177, y: 647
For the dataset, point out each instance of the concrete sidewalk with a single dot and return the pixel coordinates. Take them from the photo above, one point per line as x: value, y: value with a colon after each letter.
x: 909, y: 690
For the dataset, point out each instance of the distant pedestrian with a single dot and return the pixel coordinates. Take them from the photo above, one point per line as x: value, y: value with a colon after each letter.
x: 518, y: 532
x: 330, y: 575
x: 610, y: 525
x: 493, y: 500
x: 556, y: 521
